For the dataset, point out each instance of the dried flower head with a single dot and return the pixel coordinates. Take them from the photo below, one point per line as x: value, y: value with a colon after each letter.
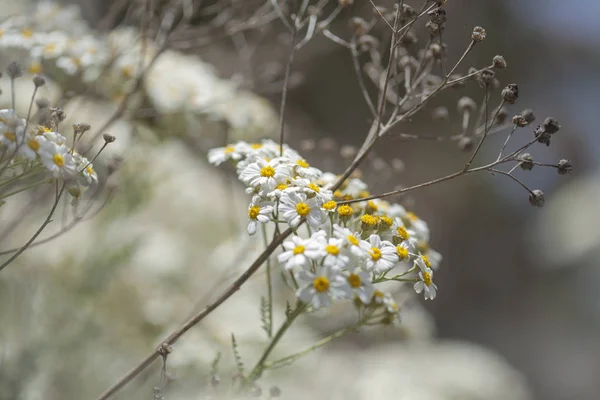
x: 510, y: 93
x: 536, y: 198
x: 564, y: 167
x: 478, y: 34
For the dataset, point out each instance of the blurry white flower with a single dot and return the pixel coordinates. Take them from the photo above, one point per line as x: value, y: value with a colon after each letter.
x: 426, y: 285
x: 352, y: 240
x: 258, y: 211
x: 301, y: 252
x: 360, y: 283
x: 57, y: 159
x: 318, y: 289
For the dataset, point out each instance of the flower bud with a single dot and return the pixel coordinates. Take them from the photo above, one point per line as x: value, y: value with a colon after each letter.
x: 536, y: 198
x: 565, y: 167
x: 478, y: 34
x: 510, y: 93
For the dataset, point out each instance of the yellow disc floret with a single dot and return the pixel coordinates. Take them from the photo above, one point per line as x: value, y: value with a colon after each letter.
x: 354, y: 281
x: 402, y: 252
x: 426, y: 278
x: 329, y: 205
x: 313, y: 187
x: 332, y: 249
x: 375, y: 253
x: 267, y: 172
x: 426, y: 261
x: 298, y: 249
x: 402, y: 233
x: 253, y: 212
x: 385, y: 222
x: 321, y: 284
x: 58, y: 160
x: 302, y: 163
x: 33, y: 144
x: 345, y: 210
x: 10, y: 136
x: 369, y: 220
x: 353, y: 240
x: 302, y: 209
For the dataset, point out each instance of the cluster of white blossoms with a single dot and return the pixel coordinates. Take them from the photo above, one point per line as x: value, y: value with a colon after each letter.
x: 349, y: 247
x: 37, y: 148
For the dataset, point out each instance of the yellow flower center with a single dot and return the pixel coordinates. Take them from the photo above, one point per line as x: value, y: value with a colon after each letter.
x: 229, y: 150
x: 371, y: 204
x: 127, y: 71
x: 423, y: 246
x: 363, y: 193
x: 352, y: 239
x: 369, y: 220
x: 402, y: 252
x: 313, y: 187
x: 338, y: 194
x: 385, y: 221
x: 253, y: 212
x: 302, y: 163
x: 412, y: 216
x: 426, y: 261
x: 426, y: 278
x: 281, y: 186
x: 256, y: 146
x: 375, y: 253
x: 50, y: 47
x: 33, y: 144
x: 402, y: 233
x: 10, y: 136
x: 27, y: 32
x: 330, y: 205
x: 321, y: 284
x: 267, y: 172
x: 354, y: 281
x: 89, y: 170
x: 302, y: 209
x: 299, y: 249
x: 58, y: 160
x: 332, y: 249
x: 345, y: 210
x: 35, y: 68
x: 379, y: 294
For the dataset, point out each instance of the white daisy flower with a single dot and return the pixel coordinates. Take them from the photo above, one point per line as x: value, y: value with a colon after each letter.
x: 231, y: 152
x: 355, y: 187
x: 381, y: 255
x: 86, y: 169
x: 265, y: 174
x: 31, y: 145
x: 295, y: 206
x: 426, y: 285
x: 57, y: 159
x: 318, y: 289
x: 419, y: 226
x: 258, y: 211
x: 54, y: 137
x: 360, y: 283
x: 335, y: 255
x: 312, y: 189
x: 386, y: 300
x: 301, y: 252
x: 352, y: 241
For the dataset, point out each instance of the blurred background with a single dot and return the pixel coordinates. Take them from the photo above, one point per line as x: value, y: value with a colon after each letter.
x: 517, y: 280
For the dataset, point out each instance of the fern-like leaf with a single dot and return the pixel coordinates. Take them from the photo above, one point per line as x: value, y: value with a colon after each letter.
x: 236, y: 354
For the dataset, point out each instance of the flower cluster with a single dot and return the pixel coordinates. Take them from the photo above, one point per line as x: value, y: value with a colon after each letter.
x: 29, y: 149
x: 351, y: 244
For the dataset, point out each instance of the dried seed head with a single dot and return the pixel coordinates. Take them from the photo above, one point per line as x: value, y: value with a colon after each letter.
x: 466, y: 104
x: 501, y: 116
x: 434, y: 29
x: 536, y: 198
x: 526, y: 162
x: 510, y: 93
x: 367, y: 43
x: 551, y: 125
x: 79, y: 129
x: 541, y: 135
x: 109, y: 138
x: 14, y: 70
x: 407, y: 12
x: 465, y: 143
x: 57, y: 114
x: 437, y: 51
x: 486, y: 77
x: 519, y: 121
x: 39, y: 80
x: 437, y: 16
x: 499, y: 62
x: 359, y: 26
x: 478, y: 34
x: 564, y: 167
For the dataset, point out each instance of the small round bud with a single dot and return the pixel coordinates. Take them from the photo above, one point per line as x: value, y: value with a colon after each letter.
x: 274, y: 391
x: 526, y: 162
x: 39, y: 80
x: 510, y: 93
x: 519, y: 121
x: 564, y: 167
x: 499, y: 62
x: 359, y: 26
x: 109, y: 138
x: 440, y: 114
x: 551, y: 125
x: 433, y: 28
x: 14, y: 70
x: 536, y: 198
x: 79, y: 129
x: 541, y: 135
x: 466, y: 104
x: 465, y: 143
x: 478, y: 34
